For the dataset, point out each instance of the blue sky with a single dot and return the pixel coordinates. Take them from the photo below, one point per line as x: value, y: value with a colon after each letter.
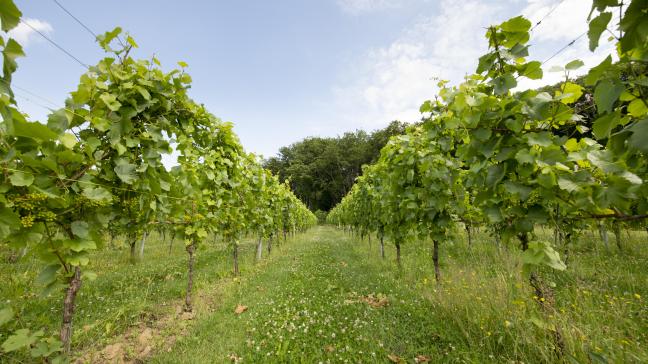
x: 286, y: 69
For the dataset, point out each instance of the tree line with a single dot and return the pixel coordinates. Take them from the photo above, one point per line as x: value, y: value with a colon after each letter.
x: 322, y: 170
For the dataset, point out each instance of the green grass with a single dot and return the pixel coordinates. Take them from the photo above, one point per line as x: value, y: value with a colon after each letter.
x: 123, y: 295
x: 600, y: 301
x: 308, y: 302
x: 303, y: 307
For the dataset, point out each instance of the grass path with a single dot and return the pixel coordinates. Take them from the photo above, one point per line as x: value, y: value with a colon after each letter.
x: 320, y: 301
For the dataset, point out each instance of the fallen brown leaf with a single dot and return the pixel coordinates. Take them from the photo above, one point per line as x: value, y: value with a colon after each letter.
x: 240, y: 309
x: 376, y: 301
x: 395, y: 358
x: 329, y: 348
x: 422, y: 359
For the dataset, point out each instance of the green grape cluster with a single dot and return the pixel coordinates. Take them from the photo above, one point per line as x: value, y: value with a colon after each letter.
x: 533, y: 199
x: 32, y: 209
x: 28, y: 202
x: 132, y: 206
x: 27, y: 221
x: 45, y: 215
x: 84, y: 202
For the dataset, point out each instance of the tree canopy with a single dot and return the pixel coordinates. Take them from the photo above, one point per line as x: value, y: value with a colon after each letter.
x: 322, y: 170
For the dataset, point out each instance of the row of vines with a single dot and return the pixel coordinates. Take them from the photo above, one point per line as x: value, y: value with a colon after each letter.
x: 512, y: 161
x: 95, y: 170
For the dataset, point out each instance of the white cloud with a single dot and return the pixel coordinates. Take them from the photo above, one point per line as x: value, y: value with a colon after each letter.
x: 580, y: 50
x: 356, y: 7
x: 23, y: 34
x: 567, y: 21
x: 396, y: 79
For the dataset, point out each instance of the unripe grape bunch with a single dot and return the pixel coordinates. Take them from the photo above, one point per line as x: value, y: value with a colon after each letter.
x: 32, y: 208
